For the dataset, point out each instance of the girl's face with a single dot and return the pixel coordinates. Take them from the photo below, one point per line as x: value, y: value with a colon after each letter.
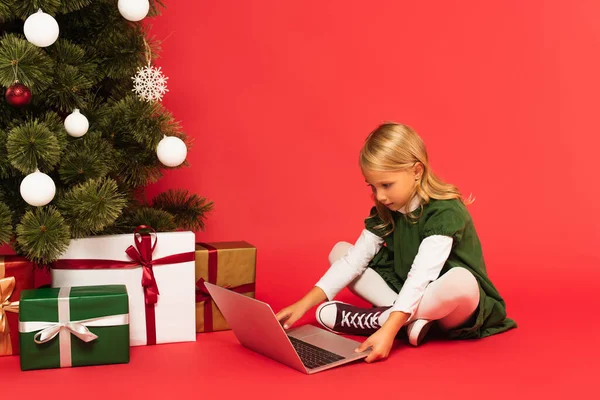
x: 393, y: 188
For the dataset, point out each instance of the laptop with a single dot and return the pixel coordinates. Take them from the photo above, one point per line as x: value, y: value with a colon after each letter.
x: 306, y: 348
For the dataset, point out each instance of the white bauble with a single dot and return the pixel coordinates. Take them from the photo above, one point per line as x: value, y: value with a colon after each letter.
x: 171, y: 151
x: 37, y: 189
x: 41, y: 29
x: 134, y: 10
x: 76, y: 124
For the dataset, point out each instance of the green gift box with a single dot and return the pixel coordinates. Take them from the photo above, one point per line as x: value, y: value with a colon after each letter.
x: 74, y: 326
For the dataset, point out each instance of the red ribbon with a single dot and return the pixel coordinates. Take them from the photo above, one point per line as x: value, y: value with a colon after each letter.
x: 202, y: 293
x: 141, y: 255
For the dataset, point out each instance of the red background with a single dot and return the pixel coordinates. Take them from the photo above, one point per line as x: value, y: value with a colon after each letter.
x: 279, y: 96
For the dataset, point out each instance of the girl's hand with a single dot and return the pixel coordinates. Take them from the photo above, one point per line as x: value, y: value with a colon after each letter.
x: 381, y: 342
x: 291, y: 314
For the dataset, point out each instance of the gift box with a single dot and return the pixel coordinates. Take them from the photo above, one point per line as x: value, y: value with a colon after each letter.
x: 16, y: 274
x: 158, y: 270
x: 74, y: 327
x: 227, y: 264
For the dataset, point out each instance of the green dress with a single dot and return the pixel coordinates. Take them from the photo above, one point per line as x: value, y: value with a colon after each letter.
x: 447, y: 218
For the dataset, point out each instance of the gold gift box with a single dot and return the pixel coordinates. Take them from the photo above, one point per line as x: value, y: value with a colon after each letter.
x: 234, y: 264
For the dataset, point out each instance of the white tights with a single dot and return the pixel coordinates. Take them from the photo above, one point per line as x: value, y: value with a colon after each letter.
x: 451, y: 300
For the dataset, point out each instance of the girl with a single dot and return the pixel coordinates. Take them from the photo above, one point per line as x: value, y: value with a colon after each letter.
x: 418, y: 260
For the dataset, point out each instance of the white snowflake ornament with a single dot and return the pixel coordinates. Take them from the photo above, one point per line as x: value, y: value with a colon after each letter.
x: 149, y: 83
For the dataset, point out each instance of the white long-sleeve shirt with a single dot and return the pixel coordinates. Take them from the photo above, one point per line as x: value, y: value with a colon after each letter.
x: 430, y: 259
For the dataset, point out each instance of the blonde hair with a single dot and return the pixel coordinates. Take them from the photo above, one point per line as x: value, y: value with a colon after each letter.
x: 394, y: 147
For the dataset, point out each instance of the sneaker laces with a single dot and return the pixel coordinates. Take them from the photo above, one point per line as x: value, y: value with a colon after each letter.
x: 362, y: 320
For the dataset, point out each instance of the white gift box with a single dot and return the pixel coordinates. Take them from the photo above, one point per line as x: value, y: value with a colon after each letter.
x: 175, y: 310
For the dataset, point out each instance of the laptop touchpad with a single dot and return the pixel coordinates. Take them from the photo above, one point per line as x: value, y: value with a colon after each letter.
x: 331, y: 342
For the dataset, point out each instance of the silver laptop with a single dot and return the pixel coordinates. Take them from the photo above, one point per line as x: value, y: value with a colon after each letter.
x: 306, y: 348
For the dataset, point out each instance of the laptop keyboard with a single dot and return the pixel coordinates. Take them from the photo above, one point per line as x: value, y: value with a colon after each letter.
x: 313, y: 356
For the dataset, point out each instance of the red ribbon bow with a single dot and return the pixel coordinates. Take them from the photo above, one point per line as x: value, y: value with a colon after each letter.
x: 142, y: 254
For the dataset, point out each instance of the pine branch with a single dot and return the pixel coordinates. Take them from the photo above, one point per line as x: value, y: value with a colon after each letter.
x: 84, y: 26
x: 96, y: 110
x: 188, y: 210
x: 154, y: 43
x: 69, y: 90
x: 10, y: 195
x: 92, y: 205
x: 75, y: 74
x: 139, y: 170
x: 10, y: 114
x: 32, y: 146
x: 56, y: 125
x: 119, y: 46
x: 136, y: 127
x: 32, y: 63
x: 160, y: 220
x: 67, y: 53
x: 140, y: 122
x: 43, y: 235
x: 167, y: 125
x: 4, y: 163
x: 90, y: 157
x: 6, y: 226
x: 6, y: 14
x: 24, y: 8
x: 155, y: 8
x: 73, y: 5
x: 122, y: 61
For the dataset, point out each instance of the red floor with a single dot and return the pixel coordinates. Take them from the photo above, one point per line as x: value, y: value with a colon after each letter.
x: 553, y: 354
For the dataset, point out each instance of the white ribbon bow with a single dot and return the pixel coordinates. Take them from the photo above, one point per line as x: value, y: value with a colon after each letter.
x: 49, y: 330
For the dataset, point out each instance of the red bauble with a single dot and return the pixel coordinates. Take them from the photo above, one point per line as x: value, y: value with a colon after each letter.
x: 18, y: 95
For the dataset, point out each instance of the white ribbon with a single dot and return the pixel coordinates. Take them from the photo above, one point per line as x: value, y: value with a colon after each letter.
x: 64, y: 327
x: 49, y: 330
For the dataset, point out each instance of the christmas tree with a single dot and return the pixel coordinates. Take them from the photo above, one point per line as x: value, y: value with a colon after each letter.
x: 81, y: 134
